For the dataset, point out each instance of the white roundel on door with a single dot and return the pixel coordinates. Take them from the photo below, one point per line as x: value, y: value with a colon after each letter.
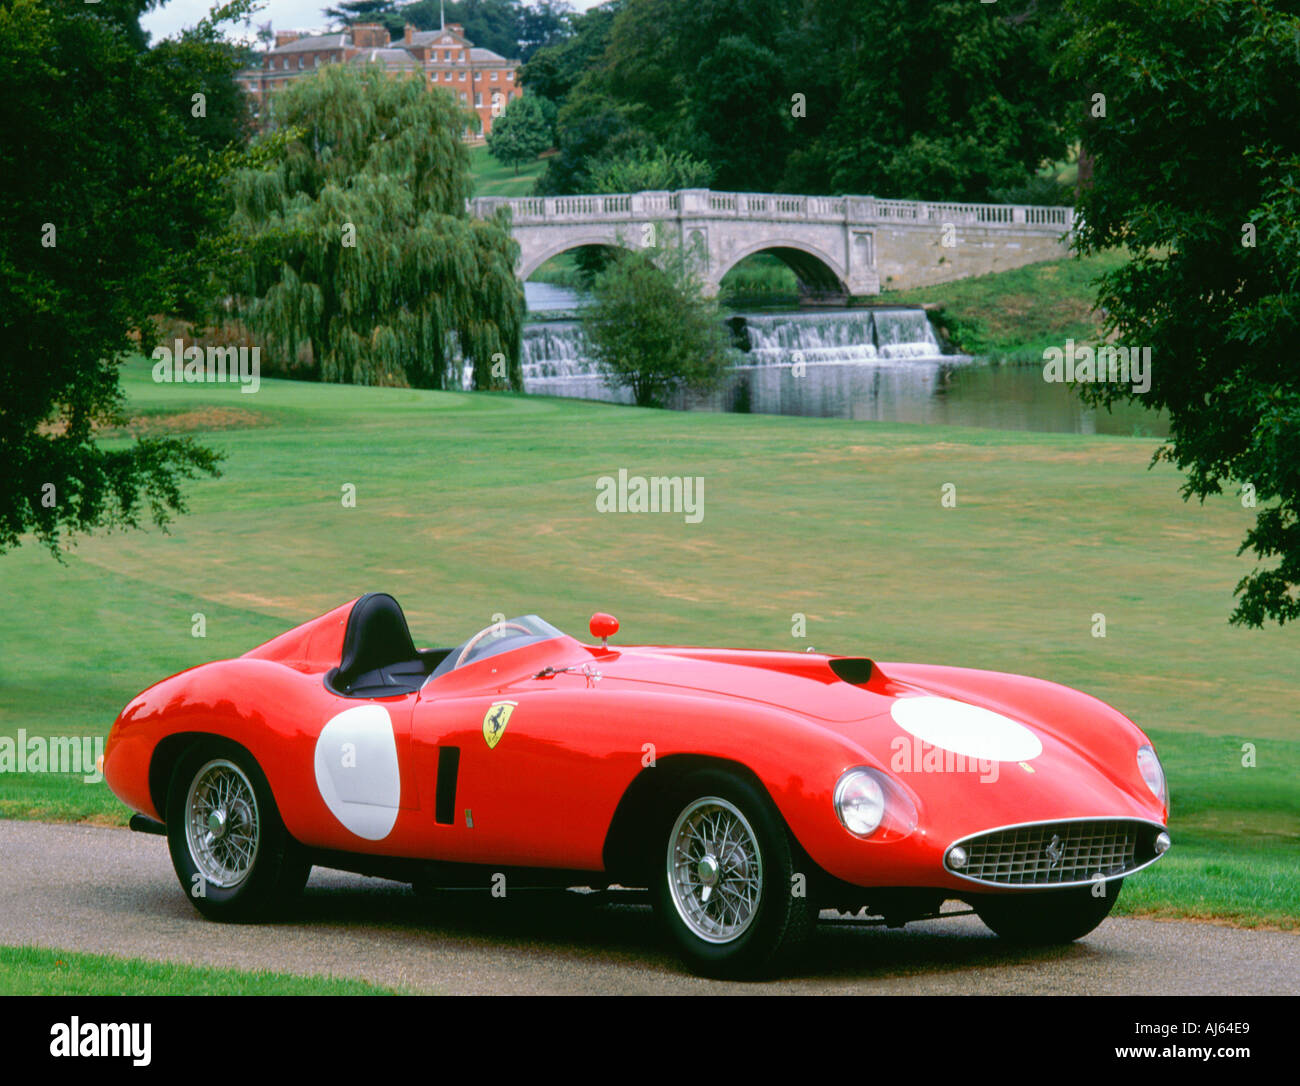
x: 966, y: 729
x: 356, y: 770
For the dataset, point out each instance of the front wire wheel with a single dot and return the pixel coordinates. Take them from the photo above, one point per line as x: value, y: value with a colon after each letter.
x: 715, y: 870
x: 727, y: 887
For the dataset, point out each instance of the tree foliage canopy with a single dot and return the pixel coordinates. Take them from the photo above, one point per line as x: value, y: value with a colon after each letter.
x: 645, y: 170
x: 357, y: 240
x: 554, y: 69
x: 110, y: 180
x: 1197, y: 170
x: 649, y: 328
x: 520, y: 133
x: 942, y: 100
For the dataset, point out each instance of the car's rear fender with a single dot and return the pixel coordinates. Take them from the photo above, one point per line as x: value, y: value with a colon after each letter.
x: 227, y: 699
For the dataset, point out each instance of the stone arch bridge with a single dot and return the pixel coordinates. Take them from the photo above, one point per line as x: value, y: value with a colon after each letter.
x: 836, y: 245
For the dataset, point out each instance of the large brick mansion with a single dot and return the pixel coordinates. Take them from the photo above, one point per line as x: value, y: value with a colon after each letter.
x: 482, y: 80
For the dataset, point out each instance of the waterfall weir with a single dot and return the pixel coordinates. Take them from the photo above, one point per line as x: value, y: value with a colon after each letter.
x: 781, y: 367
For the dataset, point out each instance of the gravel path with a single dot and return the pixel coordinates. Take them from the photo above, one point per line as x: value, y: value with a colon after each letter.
x: 109, y: 891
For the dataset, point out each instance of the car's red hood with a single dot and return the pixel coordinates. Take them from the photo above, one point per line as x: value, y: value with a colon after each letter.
x: 802, y: 683
x: 1086, y: 764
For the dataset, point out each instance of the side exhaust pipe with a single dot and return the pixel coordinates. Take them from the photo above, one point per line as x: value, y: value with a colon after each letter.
x: 142, y: 824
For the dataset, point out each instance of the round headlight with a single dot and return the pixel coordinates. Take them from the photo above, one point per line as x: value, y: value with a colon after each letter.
x: 1152, y: 772
x: 859, y: 802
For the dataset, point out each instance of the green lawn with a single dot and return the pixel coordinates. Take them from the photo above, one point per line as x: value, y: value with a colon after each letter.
x: 28, y: 971
x: 493, y: 179
x: 468, y: 504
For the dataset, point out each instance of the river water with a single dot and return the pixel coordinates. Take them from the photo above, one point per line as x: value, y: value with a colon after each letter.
x: 876, y: 364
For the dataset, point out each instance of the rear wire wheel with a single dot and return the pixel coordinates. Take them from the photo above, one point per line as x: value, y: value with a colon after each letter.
x: 232, y: 854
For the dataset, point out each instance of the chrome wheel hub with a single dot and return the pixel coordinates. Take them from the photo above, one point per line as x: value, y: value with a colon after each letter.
x: 217, y: 823
x: 714, y: 870
x: 222, y: 827
x: 707, y: 870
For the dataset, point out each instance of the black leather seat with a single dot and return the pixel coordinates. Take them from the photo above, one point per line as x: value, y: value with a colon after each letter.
x: 379, y: 657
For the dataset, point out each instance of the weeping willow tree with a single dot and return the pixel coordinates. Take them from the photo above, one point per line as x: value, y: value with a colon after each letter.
x: 354, y: 238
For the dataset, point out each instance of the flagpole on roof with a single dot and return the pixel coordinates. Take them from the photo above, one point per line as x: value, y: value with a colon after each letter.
x: 442, y: 14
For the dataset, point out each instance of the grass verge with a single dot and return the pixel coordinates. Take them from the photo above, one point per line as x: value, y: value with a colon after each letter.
x: 35, y: 971
x: 1012, y: 316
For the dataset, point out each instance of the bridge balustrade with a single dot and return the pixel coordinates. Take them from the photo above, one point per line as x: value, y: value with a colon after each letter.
x: 638, y: 206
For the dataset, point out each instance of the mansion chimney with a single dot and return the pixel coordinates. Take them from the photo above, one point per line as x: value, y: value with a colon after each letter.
x: 370, y: 36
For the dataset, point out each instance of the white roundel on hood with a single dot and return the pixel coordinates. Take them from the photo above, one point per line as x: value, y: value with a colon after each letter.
x: 966, y: 729
x: 356, y: 770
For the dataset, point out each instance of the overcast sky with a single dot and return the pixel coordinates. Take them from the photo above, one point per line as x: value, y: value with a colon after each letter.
x: 283, y: 14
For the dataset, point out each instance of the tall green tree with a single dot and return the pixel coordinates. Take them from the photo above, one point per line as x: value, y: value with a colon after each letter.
x: 543, y: 23
x: 742, y: 113
x: 592, y: 129
x: 947, y: 99
x: 592, y: 125
x: 111, y: 182
x: 520, y: 133
x: 217, y: 109
x: 942, y: 100
x: 1190, y: 110
x: 358, y: 241
x: 650, y: 329
x: 554, y: 69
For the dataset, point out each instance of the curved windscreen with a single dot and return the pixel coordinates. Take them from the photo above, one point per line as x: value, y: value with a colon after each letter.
x: 513, y: 633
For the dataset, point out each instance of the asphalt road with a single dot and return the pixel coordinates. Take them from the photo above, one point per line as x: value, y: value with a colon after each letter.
x: 111, y: 891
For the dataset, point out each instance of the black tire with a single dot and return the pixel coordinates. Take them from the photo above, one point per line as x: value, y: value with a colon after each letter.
x: 279, y: 867
x: 769, y: 932
x: 1045, y: 917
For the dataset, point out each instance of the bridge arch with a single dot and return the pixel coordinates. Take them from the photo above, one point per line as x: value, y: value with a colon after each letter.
x: 813, y: 267
x: 530, y: 261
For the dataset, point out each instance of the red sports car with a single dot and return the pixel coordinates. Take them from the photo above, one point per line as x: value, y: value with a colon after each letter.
x: 747, y: 790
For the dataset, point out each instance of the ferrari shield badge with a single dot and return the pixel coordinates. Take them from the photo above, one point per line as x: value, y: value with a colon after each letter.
x: 495, y: 721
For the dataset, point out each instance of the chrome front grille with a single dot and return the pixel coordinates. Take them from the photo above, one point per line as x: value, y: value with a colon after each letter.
x: 1056, y: 853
